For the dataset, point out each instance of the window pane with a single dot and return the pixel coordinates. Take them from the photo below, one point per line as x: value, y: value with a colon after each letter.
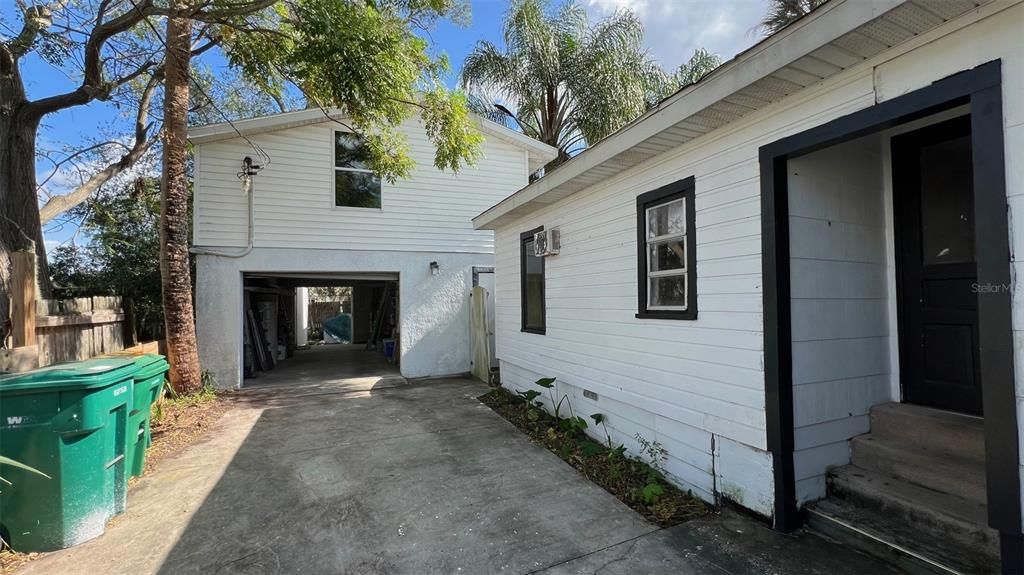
x: 666, y: 219
x: 356, y: 189
x: 670, y: 255
x: 668, y: 291
x: 947, y: 202
x: 534, y: 300
x: 350, y: 152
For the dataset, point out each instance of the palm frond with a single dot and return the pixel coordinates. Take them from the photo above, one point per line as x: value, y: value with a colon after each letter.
x: 782, y: 13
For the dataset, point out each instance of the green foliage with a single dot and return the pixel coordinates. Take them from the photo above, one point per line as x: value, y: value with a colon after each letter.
x: 654, y: 469
x: 782, y: 13
x: 696, y: 67
x: 638, y: 481
x: 366, y: 60
x: 528, y: 395
x: 547, y: 382
x: 121, y: 255
x: 570, y: 82
x: 650, y: 492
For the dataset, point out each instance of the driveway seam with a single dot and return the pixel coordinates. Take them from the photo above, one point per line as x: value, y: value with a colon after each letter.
x: 589, y: 553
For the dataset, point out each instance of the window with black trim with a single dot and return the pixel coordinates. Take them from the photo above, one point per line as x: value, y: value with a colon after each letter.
x: 666, y: 256
x: 531, y: 283
x: 355, y: 184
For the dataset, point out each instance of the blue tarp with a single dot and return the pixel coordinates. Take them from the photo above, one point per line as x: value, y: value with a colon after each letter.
x: 338, y: 329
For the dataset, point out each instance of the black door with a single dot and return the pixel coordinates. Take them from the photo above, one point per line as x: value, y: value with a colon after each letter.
x: 938, y: 290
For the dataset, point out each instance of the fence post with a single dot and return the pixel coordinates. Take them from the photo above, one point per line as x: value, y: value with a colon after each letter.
x: 23, y: 300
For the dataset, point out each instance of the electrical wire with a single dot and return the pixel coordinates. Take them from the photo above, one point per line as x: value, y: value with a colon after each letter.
x: 263, y: 155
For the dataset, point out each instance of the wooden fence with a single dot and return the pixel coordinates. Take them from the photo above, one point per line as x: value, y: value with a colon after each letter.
x: 321, y: 311
x: 75, y: 329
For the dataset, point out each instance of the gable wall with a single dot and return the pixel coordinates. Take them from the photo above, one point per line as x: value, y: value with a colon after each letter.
x: 430, y: 211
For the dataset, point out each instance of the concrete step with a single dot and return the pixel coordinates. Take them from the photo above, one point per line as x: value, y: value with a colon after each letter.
x: 888, y: 537
x: 925, y: 517
x: 942, y: 472
x: 932, y: 429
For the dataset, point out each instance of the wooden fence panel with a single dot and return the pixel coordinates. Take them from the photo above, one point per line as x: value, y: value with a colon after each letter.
x: 321, y: 311
x: 80, y: 328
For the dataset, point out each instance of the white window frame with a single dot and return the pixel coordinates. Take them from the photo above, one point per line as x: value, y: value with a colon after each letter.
x: 667, y: 239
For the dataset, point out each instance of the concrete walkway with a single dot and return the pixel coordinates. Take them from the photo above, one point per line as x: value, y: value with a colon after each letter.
x: 419, y: 478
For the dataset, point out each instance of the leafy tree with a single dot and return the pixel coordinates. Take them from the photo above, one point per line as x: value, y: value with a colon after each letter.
x: 567, y: 82
x: 696, y: 68
x: 782, y: 13
x: 121, y: 253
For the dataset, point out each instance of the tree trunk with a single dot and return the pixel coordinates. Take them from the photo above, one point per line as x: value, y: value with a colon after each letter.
x: 20, y: 229
x: 175, y: 275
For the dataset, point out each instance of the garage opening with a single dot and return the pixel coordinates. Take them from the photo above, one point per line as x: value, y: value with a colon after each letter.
x: 321, y: 328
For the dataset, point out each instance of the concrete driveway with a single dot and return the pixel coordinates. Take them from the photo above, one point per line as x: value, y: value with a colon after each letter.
x: 417, y: 478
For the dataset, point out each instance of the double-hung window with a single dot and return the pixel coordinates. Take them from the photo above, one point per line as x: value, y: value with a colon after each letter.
x: 531, y: 269
x: 355, y: 184
x: 666, y: 255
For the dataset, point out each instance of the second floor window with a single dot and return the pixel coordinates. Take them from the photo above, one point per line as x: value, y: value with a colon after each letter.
x: 355, y: 184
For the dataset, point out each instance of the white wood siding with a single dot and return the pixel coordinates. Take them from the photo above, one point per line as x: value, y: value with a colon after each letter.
x: 695, y: 386
x: 430, y: 211
x: 698, y: 386
x: 840, y: 279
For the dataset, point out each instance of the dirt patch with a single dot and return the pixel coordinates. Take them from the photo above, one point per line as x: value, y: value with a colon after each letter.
x: 633, y: 481
x: 176, y: 423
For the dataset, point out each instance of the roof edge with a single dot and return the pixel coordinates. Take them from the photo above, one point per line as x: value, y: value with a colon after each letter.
x: 830, y: 20
x: 539, y: 152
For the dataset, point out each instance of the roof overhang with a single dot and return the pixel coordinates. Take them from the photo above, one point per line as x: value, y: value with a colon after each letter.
x: 834, y: 37
x: 538, y: 153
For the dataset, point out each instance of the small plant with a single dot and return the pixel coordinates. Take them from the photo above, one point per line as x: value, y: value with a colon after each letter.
x: 656, y: 455
x: 599, y: 420
x: 639, y: 484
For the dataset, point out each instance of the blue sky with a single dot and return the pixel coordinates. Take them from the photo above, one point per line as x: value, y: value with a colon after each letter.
x: 674, y: 29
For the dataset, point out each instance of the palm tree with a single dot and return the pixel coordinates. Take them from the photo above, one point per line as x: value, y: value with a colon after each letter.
x: 782, y: 13
x: 696, y: 67
x: 565, y: 82
x: 175, y: 272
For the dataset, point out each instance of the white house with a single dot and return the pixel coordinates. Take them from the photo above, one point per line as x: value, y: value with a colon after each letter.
x: 285, y: 202
x: 797, y: 275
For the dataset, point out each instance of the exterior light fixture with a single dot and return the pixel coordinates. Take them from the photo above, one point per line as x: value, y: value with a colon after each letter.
x: 435, y: 268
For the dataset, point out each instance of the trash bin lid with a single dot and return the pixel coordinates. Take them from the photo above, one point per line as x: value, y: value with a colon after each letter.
x: 149, y: 365
x: 91, y: 373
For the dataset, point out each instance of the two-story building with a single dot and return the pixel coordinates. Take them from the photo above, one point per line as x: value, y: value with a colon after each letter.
x: 287, y: 201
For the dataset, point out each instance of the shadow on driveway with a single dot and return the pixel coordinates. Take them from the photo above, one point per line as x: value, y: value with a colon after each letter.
x: 416, y: 479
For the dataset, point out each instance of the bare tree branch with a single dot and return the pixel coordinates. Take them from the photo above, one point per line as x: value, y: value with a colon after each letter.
x: 144, y: 139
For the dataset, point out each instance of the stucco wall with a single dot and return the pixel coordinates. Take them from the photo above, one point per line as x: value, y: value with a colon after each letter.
x: 433, y: 309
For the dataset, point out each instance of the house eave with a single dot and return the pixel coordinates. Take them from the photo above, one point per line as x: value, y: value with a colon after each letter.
x: 838, y: 35
x: 538, y: 153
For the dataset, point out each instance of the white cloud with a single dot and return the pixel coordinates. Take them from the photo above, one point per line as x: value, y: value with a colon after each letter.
x: 675, y: 28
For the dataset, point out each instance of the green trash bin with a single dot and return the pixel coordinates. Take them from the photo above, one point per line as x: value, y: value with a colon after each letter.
x: 150, y: 370
x: 68, y: 421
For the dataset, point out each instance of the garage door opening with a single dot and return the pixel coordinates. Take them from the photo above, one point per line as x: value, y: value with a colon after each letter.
x: 338, y: 329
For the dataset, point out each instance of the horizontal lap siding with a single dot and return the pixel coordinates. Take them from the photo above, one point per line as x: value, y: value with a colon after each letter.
x: 839, y: 274
x: 686, y: 384
x: 429, y: 211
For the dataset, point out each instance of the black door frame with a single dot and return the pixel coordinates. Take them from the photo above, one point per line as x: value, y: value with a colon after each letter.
x: 981, y: 87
